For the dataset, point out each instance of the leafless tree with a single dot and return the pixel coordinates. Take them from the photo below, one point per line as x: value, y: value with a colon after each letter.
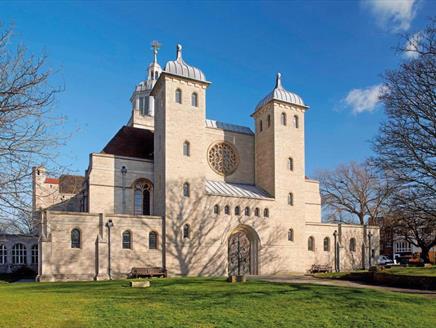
x: 27, y: 126
x: 406, y: 144
x: 354, y: 192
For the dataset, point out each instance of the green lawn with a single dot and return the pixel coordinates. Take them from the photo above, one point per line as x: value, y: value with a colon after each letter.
x: 195, y: 302
x: 413, y: 271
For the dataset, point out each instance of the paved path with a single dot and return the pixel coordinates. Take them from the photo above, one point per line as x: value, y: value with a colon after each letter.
x: 303, y: 279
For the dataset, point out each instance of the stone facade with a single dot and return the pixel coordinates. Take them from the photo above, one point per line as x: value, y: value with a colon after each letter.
x: 191, y: 211
x: 18, y: 251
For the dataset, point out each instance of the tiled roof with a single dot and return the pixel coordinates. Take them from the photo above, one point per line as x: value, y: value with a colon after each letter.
x: 70, y: 184
x: 221, y: 188
x: 51, y: 180
x: 131, y: 142
x: 228, y: 127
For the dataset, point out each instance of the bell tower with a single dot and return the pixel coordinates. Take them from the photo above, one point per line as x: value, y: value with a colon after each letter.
x: 141, y: 100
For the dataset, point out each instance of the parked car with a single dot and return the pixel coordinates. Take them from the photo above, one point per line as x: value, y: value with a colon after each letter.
x: 384, y: 260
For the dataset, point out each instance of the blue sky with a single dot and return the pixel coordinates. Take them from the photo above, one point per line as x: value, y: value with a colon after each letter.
x: 331, y: 53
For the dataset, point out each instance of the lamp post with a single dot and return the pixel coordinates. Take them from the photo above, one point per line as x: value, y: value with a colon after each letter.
x: 369, y: 248
x: 335, y: 235
x: 109, y: 225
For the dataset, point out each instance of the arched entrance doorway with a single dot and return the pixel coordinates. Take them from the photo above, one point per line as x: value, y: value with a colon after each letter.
x: 243, y: 251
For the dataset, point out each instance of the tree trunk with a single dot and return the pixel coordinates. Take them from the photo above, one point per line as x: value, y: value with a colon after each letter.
x: 424, y: 254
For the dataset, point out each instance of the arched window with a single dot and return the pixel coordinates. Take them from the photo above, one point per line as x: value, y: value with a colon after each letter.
x: 311, y: 244
x: 186, y: 191
x: 268, y: 119
x: 266, y: 212
x: 290, y: 164
x: 216, y: 209
x: 142, y: 199
x: 178, y: 96
x: 260, y: 126
x: 247, y: 211
x: 35, y: 254
x: 295, y: 121
x: 291, y: 199
x: 326, y: 244
x: 353, y: 244
x: 194, y: 99
x: 283, y: 118
x: 127, y: 240
x: 257, y: 211
x: 186, y: 231
x: 152, y: 240
x: 3, y: 254
x: 156, y: 75
x: 75, y: 238
x: 19, y: 254
x: 237, y: 210
x: 186, y: 148
x: 291, y: 235
x: 227, y: 210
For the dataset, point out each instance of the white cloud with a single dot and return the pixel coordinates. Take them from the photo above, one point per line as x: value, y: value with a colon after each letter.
x: 394, y: 15
x: 364, y: 100
x: 412, y: 45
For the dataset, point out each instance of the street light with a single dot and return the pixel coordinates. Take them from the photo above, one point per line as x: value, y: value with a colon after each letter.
x: 335, y: 234
x: 109, y: 225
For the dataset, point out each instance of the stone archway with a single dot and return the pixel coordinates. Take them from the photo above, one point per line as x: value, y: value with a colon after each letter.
x: 243, y: 247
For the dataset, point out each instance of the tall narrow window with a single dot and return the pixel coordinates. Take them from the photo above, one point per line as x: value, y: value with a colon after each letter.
x: 247, y: 211
x: 237, y: 210
x: 216, y: 209
x: 290, y: 164
x: 257, y: 211
x: 35, y: 254
x: 352, y: 244
x: 311, y: 244
x: 127, y: 240
x: 296, y: 121
x: 152, y: 240
x: 178, y: 96
x: 186, y: 231
x: 291, y: 235
x: 186, y: 191
x: 291, y: 199
x: 260, y: 126
x: 266, y: 213
x: 19, y: 254
x: 186, y: 148
x: 268, y: 119
x: 194, y: 99
x: 326, y: 244
x: 227, y: 210
x: 156, y: 75
x: 75, y: 238
x: 3, y: 254
x: 283, y: 118
x: 143, y: 190
x: 141, y: 104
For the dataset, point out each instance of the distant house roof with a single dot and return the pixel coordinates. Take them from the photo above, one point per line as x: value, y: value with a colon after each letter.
x: 70, y: 184
x: 221, y: 188
x: 131, y: 142
x: 51, y: 180
x: 228, y: 127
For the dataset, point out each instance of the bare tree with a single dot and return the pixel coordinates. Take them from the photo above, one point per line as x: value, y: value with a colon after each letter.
x: 26, y: 128
x: 406, y: 144
x: 354, y: 192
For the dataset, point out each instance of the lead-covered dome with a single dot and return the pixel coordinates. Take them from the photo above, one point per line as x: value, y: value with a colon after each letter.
x: 181, y: 68
x: 281, y: 94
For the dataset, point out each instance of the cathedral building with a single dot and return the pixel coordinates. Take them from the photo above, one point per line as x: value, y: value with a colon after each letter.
x: 176, y: 190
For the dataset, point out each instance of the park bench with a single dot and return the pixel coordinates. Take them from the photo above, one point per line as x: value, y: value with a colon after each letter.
x: 320, y: 268
x: 148, y: 272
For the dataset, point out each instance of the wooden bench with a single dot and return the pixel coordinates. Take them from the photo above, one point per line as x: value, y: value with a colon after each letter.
x: 148, y: 272
x: 320, y: 268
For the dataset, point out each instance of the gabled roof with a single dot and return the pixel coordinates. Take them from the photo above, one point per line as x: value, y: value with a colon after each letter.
x: 131, y: 142
x: 221, y: 188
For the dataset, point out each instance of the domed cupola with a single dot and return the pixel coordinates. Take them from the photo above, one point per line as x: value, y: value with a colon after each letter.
x: 281, y: 94
x: 181, y: 68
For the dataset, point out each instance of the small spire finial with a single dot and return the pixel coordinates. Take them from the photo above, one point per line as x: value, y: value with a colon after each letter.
x: 155, y: 45
x: 179, y: 51
x: 279, y: 81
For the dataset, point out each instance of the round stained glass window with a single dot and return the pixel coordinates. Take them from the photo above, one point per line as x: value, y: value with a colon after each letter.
x: 223, y: 158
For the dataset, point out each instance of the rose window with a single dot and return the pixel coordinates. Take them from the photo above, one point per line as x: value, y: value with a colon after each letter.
x: 223, y: 158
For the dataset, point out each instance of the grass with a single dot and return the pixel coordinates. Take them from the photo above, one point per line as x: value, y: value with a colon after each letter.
x: 202, y: 302
x: 413, y: 271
